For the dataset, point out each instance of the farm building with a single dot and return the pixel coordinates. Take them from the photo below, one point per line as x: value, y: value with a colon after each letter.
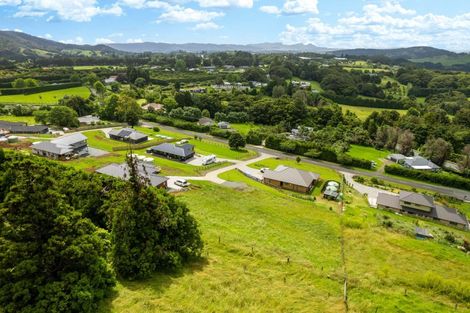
x: 128, y: 135
x: 421, y: 205
x: 62, y: 148
x: 181, y: 152
x: 147, y: 170
x: 22, y: 128
x: 332, y: 190
x: 290, y: 178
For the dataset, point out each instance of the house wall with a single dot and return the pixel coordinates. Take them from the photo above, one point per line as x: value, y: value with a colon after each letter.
x: 287, y: 186
x: 415, y: 206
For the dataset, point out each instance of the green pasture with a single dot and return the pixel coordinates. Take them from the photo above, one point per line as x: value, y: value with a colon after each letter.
x: 47, y: 97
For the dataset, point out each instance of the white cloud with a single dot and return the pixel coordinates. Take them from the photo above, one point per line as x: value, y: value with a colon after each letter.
x: 76, y: 41
x: 293, y: 7
x: 188, y: 15
x: 73, y: 10
x: 103, y: 41
x: 29, y: 13
x: 134, y: 40
x: 384, y: 25
x: 225, y: 3
x: 47, y: 36
x: 207, y: 26
x: 10, y: 2
x: 270, y: 9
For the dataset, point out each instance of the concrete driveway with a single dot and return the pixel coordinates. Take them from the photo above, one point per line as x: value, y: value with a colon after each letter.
x: 372, y: 193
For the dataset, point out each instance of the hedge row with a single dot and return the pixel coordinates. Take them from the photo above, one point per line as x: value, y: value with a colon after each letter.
x: 46, y: 78
x: 313, y: 150
x: 443, y: 178
x: 365, y: 102
x: 222, y: 133
x: 176, y: 123
x: 166, y: 82
x: 28, y: 91
x: 424, y: 92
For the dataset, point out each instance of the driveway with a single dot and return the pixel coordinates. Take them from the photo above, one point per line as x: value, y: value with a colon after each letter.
x: 372, y: 193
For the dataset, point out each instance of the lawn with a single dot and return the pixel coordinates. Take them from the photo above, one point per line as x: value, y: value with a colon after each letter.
x: 23, y: 119
x: 368, y: 153
x: 221, y: 150
x: 363, y: 112
x: 244, y: 128
x: 48, y: 97
x: 325, y: 173
x: 246, y: 269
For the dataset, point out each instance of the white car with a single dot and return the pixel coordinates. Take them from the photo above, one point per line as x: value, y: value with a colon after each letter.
x: 264, y: 169
x: 182, y: 183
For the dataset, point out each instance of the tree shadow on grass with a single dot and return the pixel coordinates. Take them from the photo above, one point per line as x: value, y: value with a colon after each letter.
x: 158, y: 283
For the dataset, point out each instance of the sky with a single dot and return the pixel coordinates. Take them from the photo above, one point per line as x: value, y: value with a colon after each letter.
x: 326, y: 23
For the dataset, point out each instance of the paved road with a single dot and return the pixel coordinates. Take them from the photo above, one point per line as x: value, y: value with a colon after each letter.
x: 457, y: 193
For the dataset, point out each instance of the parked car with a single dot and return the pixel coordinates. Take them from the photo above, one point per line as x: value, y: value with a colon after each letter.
x: 264, y: 169
x: 182, y: 183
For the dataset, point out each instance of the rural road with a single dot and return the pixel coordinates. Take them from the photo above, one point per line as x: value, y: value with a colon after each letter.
x: 456, y: 193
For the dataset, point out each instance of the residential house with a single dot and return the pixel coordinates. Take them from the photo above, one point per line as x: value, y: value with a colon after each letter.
x: 291, y: 179
x: 153, y: 107
x: 128, y: 135
x: 223, y: 125
x: 421, y: 205
x: 146, y: 170
x: 62, y: 148
x: 88, y: 119
x: 22, y: 128
x: 110, y: 80
x: 415, y: 162
x: 181, y: 152
x: 301, y: 133
x: 206, y: 121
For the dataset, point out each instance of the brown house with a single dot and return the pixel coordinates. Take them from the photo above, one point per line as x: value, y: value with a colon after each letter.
x: 291, y: 179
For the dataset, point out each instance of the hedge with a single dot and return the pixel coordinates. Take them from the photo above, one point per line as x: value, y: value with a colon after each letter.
x: 443, y: 178
x: 424, y: 92
x: 141, y: 146
x: 32, y: 90
x: 365, y: 102
x: 176, y: 123
x: 222, y: 133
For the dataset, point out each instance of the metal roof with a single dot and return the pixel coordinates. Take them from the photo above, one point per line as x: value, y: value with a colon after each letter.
x: 292, y: 176
x: 122, y: 171
x: 418, y: 162
x: 183, y: 150
x: 388, y: 200
x: 70, y: 140
x: 51, y: 147
x: 449, y: 214
x: 417, y: 198
x: 128, y: 133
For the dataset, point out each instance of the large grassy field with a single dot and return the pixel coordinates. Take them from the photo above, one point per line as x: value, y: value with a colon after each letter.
x: 363, y: 112
x: 24, y: 119
x: 266, y: 251
x: 48, y: 97
x: 368, y: 153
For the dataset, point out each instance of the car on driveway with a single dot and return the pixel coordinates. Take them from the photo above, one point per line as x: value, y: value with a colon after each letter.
x: 182, y: 183
x: 264, y: 169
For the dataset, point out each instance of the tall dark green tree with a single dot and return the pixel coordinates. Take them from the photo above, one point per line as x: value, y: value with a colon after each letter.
x: 151, y: 230
x: 51, y: 258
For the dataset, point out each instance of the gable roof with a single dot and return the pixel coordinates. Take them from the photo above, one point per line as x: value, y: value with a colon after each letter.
x: 417, y: 198
x: 18, y: 127
x: 51, y: 147
x: 128, y: 133
x: 418, y: 162
x: 450, y: 214
x: 292, y: 176
x: 388, y: 200
x: 122, y: 171
x: 70, y: 140
x: 183, y: 150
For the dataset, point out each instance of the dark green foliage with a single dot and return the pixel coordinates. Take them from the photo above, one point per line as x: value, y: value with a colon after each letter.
x: 365, y: 102
x: 151, y: 230
x: 236, y: 141
x: 52, y: 258
x: 63, y: 116
x: 78, y: 104
x: 31, y: 90
x: 176, y: 123
x: 443, y: 178
x: 254, y: 137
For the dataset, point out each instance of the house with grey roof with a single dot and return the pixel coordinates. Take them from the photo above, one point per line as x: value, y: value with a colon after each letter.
x: 22, y: 128
x: 62, y: 148
x: 146, y: 170
x: 414, y: 162
x: 180, y: 152
x: 89, y: 119
x: 128, y: 135
x: 206, y: 121
x: 291, y: 179
x: 421, y: 205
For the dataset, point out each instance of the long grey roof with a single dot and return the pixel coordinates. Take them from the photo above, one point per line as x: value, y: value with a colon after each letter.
x: 128, y: 133
x: 388, y: 200
x: 51, y: 147
x: 450, y: 214
x: 18, y: 127
x: 420, y: 162
x: 417, y: 198
x: 292, y: 176
x: 122, y: 171
x: 69, y: 140
x: 183, y: 150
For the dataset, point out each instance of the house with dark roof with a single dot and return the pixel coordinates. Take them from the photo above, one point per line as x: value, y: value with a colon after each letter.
x: 291, y: 179
x: 423, y: 206
x: 145, y: 169
x: 22, y: 128
x: 180, y: 152
x: 128, y: 135
x: 62, y: 148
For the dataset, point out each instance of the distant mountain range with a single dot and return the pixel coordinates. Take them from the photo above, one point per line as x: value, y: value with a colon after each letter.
x: 159, y: 47
x: 399, y: 53
x: 21, y: 46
